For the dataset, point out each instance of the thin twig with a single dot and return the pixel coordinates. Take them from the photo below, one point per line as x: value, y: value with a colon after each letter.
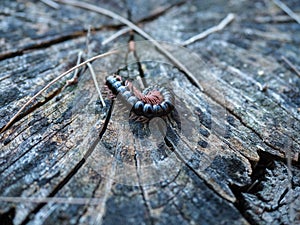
x: 96, y: 84
x: 88, y: 50
x: 273, y: 19
x: 287, y: 10
x: 5, y: 77
x: 61, y: 200
x: 52, y: 82
x: 116, y: 35
x: 134, y: 27
x: 228, y: 19
x: 74, y: 79
x: 291, y: 65
x: 77, y: 63
x: 51, y: 3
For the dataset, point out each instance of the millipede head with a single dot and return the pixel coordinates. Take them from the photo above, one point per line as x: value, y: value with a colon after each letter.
x: 117, y: 84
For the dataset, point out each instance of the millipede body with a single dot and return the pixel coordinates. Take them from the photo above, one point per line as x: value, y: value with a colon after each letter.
x: 152, y: 102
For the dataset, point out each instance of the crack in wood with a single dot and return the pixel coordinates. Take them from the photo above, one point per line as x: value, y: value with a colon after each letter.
x: 82, y: 33
x: 246, y: 125
x: 141, y: 186
x: 48, y: 137
x: 73, y: 172
x: 160, y: 12
x: 169, y: 142
x: 262, y: 204
x: 35, y: 107
x: 55, y: 190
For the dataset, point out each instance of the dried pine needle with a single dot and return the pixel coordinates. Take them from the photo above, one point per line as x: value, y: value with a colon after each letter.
x: 134, y: 27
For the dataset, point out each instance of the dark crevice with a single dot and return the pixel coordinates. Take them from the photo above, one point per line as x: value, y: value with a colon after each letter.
x: 283, y: 195
x: 28, y: 150
x: 266, y: 161
x: 172, y: 147
x: 35, y: 107
x: 32, y: 109
x: 6, y: 218
x: 41, y: 45
x: 86, y: 208
x: 82, y: 33
x: 148, y: 212
x: 161, y: 12
x: 102, y: 132
x: 259, y: 172
x: 55, y: 190
x: 55, y: 40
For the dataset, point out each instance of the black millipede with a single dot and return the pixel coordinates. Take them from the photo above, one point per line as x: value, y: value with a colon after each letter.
x: 153, y: 102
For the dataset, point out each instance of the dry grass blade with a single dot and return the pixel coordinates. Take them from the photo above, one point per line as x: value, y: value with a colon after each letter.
x: 228, y: 19
x: 96, y: 84
x: 291, y: 65
x: 74, y: 79
x: 51, y: 3
x: 88, y: 50
x: 116, y: 35
x: 287, y: 10
x: 5, y: 77
x: 51, y: 83
x: 59, y: 200
x: 134, y: 27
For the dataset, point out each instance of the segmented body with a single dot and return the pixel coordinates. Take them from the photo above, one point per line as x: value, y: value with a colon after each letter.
x: 152, y: 102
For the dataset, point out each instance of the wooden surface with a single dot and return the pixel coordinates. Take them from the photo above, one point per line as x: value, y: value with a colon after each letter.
x: 230, y: 153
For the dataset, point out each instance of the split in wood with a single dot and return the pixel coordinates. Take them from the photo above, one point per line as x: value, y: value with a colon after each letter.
x: 51, y: 83
x: 134, y: 27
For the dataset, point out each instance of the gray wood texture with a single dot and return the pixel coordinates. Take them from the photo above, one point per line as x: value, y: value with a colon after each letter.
x: 228, y: 154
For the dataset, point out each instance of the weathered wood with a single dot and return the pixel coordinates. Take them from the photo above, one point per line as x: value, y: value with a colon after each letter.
x: 278, y: 206
x: 221, y: 157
